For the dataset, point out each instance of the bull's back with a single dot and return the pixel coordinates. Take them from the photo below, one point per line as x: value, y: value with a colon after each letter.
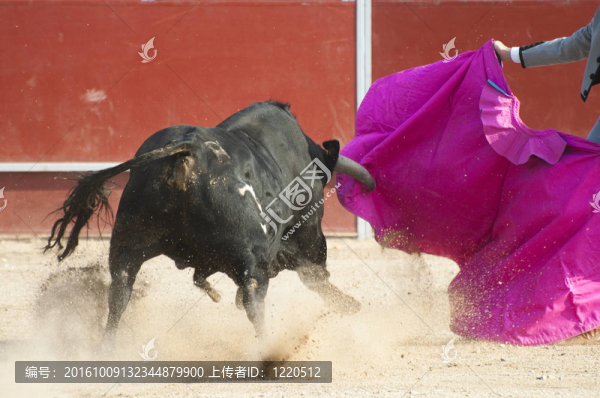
x: 206, y: 200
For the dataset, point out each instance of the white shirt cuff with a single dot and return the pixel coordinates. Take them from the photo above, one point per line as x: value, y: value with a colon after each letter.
x: 514, y: 55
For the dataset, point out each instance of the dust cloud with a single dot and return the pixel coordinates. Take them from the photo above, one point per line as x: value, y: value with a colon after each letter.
x: 58, y: 312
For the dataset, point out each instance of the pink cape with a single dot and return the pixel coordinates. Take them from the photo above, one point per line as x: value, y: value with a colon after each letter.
x: 460, y: 175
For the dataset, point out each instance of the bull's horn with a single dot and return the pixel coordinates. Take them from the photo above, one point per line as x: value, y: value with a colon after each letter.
x: 349, y: 167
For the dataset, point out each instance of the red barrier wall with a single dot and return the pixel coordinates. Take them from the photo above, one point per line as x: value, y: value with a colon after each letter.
x: 60, y: 58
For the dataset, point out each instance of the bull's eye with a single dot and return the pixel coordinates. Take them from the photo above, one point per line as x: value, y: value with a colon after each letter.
x: 247, y: 175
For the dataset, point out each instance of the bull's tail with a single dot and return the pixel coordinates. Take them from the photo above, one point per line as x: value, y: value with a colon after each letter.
x: 90, y: 197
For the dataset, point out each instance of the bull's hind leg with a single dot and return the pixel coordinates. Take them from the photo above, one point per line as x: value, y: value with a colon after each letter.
x: 315, y: 276
x: 127, y: 254
x: 200, y: 276
x: 124, y: 267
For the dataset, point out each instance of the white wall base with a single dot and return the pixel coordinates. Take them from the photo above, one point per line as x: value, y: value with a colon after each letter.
x: 54, y: 166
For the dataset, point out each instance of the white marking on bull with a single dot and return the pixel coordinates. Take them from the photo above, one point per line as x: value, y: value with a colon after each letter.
x: 248, y: 188
x: 217, y: 149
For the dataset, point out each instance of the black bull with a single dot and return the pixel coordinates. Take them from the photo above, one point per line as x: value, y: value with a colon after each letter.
x: 209, y: 198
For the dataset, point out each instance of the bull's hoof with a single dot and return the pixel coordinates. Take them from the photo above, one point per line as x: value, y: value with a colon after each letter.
x: 346, y: 305
x: 214, y: 295
x: 259, y: 333
x: 107, y: 346
x: 239, y: 299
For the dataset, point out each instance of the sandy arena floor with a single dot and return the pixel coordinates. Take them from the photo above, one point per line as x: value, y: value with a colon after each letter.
x: 391, y: 348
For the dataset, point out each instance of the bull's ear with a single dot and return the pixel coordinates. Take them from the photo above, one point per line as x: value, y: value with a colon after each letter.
x: 332, y: 147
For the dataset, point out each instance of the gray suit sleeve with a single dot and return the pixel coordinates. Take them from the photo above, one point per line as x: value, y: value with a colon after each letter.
x: 558, y: 51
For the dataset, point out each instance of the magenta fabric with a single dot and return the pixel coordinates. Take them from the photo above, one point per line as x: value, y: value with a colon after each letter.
x: 460, y: 175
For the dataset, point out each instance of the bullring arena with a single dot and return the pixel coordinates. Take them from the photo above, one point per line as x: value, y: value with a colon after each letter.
x: 392, y: 347
x: 78, y: 96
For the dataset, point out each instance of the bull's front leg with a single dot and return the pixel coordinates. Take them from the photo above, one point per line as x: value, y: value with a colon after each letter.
x: 254, y: 293
x: 316, y: 278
